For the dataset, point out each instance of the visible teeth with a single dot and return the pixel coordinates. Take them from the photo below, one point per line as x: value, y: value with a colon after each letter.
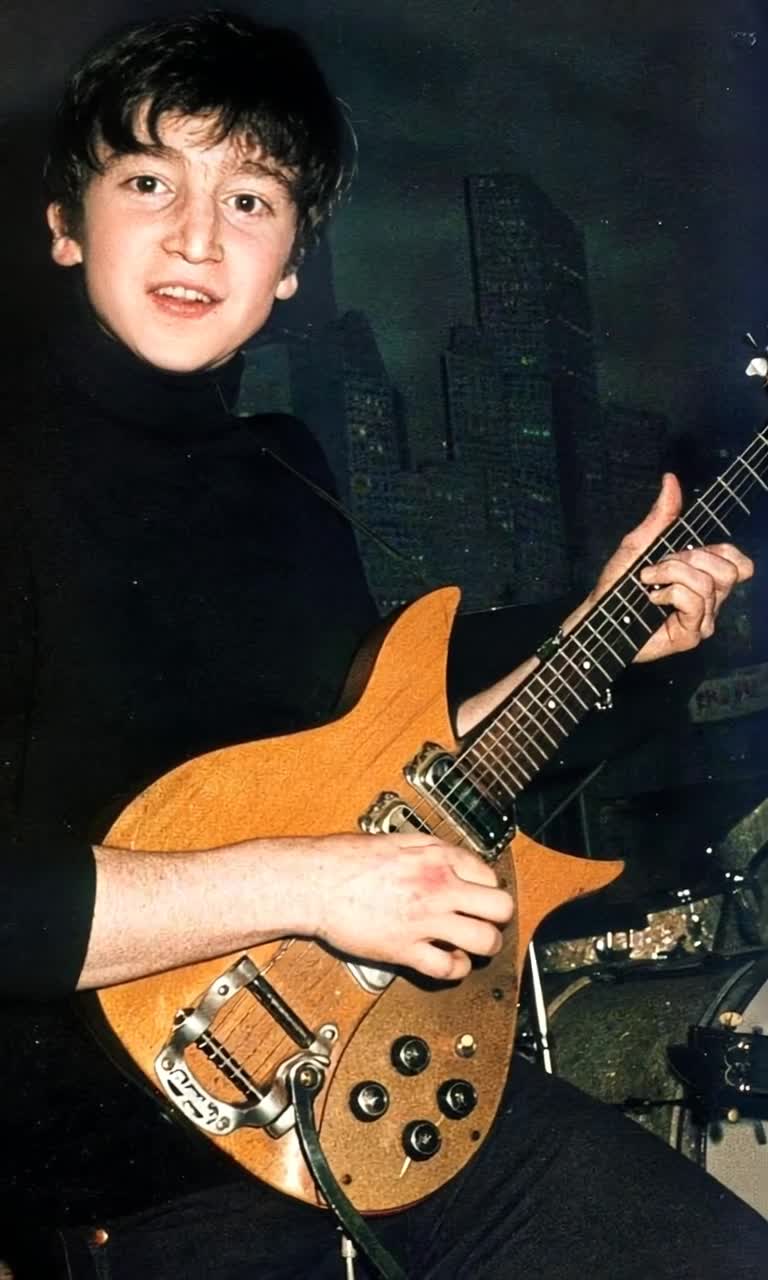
x: 178, y: 291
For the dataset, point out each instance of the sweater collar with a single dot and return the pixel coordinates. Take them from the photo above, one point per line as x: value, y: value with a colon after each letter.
x: 126, y: 387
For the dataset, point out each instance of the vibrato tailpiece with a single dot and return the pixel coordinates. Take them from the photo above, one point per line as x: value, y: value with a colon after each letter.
x: 271, y: 1108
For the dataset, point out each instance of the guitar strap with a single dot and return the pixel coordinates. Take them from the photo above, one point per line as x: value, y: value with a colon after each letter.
x: 304, y: 1084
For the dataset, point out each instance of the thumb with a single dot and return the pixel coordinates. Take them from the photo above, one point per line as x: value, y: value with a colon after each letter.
x: 665, y: 509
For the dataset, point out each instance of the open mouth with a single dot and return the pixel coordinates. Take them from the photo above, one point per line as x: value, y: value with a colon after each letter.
x: 181, y: 300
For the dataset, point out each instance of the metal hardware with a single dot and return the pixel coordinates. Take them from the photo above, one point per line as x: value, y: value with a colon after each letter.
x: 370, y: 979
x: 465, y: 1046
x: 549, y: 647
x: 456, y: 1099
x: 486, y: 820
x: 410, y: 1055
x: 268, y: 1109
x: 390, y: 813
x: 421, y: 1140
x: 369, y: 1100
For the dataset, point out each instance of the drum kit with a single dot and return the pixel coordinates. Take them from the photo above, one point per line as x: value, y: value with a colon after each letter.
x: 669, y: 1022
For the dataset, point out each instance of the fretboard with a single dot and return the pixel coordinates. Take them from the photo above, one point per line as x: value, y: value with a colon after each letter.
x: 577, y: 676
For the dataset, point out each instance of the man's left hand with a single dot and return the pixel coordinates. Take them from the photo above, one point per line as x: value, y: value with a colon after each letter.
x: 695, y: 583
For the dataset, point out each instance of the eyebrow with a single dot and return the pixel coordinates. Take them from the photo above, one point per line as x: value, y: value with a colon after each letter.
x: 246, y: 165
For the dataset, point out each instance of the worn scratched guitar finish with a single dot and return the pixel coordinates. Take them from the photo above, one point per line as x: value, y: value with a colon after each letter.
x: 413, y: 1071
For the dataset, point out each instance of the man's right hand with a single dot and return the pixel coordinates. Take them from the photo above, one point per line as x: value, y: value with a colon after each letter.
x: 404, y: 899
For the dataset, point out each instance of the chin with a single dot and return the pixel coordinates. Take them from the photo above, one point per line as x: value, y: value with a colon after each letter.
x: 179, y: 361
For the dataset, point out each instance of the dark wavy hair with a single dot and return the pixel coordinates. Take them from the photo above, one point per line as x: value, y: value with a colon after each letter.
x: 257, y: 83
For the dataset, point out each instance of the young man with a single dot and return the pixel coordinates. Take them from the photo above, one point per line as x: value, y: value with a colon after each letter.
x: 172, y: 588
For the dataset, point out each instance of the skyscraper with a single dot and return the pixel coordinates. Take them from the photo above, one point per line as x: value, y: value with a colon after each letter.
x: 533, y: 307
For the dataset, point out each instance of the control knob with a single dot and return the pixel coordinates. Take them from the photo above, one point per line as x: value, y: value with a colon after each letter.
x: 421, y: 1140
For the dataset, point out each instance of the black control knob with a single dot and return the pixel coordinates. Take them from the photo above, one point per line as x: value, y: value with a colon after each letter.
x: 369, y: 1100
x: 421, y: 1139
x: 410, y: 1055
x: 456, y: 1098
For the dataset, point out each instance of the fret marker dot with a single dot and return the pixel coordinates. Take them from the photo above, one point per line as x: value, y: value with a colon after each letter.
x: 551, y: 704
x: 586, y: 664
x: 626, y: 619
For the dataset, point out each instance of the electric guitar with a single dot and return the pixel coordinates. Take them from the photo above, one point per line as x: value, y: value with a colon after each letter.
x: 411, y: 1071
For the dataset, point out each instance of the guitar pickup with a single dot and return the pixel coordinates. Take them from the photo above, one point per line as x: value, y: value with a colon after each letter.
x: 467, y: 801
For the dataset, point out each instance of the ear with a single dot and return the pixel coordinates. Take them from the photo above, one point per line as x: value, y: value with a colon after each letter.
x: 287, y: 286
x: 65, y: 249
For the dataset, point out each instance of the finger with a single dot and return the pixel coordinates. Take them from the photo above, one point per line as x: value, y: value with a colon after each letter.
x: 496, y: 905
x: 447, y: 965
x: 723, y: 560
x: 674, y: 569
x: 665, y: 509
x: 693, y: 614
x: 476, y: 937
x: 469, y: 867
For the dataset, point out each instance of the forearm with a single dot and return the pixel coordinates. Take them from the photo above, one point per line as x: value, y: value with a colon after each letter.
x: 477, y: 708
x: 161, y: 911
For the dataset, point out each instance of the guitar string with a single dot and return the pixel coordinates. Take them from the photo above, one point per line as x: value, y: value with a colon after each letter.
x: 702, y: 517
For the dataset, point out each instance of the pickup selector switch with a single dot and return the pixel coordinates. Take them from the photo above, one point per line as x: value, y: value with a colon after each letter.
x: 410, y: 1055
x: 369, y: 1100
x: 421, y: 1140
x: 456, y: 1099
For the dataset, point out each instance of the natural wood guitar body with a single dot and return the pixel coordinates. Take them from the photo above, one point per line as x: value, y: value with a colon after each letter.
x: 313, y: 783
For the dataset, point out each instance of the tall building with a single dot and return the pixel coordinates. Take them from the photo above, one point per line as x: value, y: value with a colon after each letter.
x: 533, y: 307
x: 636, y: 440
x: 476, y: 435
x: 341, y: 387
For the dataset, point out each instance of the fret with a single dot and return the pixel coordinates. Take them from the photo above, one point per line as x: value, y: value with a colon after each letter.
x: 551, y: 700
x: 508, y: 762
x: 735, y: 496
x: 534, y: 721
x: 691, y: 531
x: 575, y: 637
x: 541, y: 729
x: 486, y: 766
x: 481, y: 763
x: 628, y: 604
x: 758, y: 477
x: 598, y: 637
x: 552, y: 704
x: 724, y: 528
x: 517, y: 724
x: 581, y: 671
x: 572, y: 694
x: 490, y: 777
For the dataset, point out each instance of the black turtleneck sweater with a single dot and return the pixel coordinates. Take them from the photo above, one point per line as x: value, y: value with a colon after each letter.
x: 169, y: 588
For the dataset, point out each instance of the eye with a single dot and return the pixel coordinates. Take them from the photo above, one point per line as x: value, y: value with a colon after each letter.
x: 248, y: 203
x: 147, y: 185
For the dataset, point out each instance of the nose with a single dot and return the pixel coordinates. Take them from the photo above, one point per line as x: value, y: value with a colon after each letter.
x: 195, y: 233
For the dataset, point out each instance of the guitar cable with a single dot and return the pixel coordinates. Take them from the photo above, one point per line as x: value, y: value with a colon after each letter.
x: 305, y: 1081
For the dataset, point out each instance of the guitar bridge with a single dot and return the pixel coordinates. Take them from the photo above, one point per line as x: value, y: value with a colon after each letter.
x: 268, y: 1109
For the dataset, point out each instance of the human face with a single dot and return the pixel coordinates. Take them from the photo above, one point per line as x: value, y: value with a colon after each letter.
x: 184, y: 249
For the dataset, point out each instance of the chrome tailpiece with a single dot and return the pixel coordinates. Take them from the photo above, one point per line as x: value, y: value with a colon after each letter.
x: 271, y: 1108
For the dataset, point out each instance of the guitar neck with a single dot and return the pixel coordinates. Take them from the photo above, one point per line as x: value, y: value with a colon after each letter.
x: 577, y: 674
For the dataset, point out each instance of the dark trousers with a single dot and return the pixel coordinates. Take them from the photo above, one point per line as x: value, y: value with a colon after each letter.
x: 564, y: 1189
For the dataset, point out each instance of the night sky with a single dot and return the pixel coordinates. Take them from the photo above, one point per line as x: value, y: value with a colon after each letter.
x: 641, y: 120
